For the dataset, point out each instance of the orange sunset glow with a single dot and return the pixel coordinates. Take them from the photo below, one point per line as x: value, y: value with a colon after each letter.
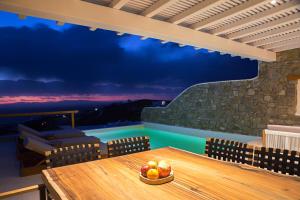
x: 47, y: 99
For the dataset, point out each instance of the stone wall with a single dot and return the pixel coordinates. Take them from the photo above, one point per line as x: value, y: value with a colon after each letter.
x: 245, y: 106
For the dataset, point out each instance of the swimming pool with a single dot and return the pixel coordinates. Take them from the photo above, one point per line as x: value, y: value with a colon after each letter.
x: 158, y: 138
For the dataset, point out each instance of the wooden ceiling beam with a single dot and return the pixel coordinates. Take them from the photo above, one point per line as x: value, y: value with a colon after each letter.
x: 282, y: 43
x: 276, y: 39
x: 287, y: 47
x: 266, y: 26
x: 269, y: 33
x: 198, y: 8
x: 60, y: 23
x: 291, y: 5
x: 118, y: 4
x: 22, y: 17
x: 157, y: 7
x: 93, y: 28
x: 244, y: 7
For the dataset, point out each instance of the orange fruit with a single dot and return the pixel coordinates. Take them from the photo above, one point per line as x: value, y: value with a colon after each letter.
x: 152, y: 174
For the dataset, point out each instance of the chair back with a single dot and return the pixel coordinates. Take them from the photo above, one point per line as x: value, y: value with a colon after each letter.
x: 72, y: 155
x: 128, y: 145
x: 227, y: 150
x: 277, y: 160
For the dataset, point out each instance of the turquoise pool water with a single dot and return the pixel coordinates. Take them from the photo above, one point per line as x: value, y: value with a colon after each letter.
x: 158, y: 138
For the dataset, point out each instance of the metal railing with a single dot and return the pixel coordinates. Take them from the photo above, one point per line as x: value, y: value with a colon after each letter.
x: 71, y: 112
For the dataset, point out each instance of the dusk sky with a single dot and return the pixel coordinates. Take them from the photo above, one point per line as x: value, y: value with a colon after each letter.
x: 43, y: 62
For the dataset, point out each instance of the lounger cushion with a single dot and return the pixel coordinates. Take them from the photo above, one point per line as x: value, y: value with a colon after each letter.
x: 60, y: 134
x: 294, y: 129
x: 25, y: 134
x: 27, y: 129
x: 74, y: 141
x: 37, y: 146
x: 55, y: 134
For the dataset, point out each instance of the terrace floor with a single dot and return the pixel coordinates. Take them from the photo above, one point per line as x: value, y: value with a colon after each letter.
x: 9, y: 171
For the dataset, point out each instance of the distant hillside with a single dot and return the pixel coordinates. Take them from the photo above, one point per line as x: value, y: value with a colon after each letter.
x: 126, y: 111
x: 90, y: 113
x: 52, y: 106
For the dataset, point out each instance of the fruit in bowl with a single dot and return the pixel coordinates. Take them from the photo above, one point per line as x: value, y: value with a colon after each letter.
x: 152, y: 164
x: 144, y: 170
x: 164, y: 169
x: 152, y: 174
x: 155, y: 170
x: 155, y: 173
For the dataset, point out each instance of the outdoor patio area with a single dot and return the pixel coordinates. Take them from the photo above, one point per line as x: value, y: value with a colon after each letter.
x: 233, y: 138
x: 244, y: 158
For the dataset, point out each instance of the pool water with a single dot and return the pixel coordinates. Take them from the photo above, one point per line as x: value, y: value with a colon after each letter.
x: 158, y: 138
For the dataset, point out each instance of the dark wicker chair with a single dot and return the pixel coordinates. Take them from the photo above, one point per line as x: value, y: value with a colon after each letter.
x: 72, y: 155
x: 227, y: 150
x: 128, y: 145
x: 277, y: 160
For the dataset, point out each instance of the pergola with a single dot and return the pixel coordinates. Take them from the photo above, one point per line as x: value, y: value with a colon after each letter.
x: 254, y: 29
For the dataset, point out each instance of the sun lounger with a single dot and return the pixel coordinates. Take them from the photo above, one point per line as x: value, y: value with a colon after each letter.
x: 62, y: 141
x: 52, y: 135
x: 36, y: 152
x: 32, y: 145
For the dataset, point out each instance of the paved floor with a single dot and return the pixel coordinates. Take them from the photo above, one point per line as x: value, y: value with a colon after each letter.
x: 9, y: 172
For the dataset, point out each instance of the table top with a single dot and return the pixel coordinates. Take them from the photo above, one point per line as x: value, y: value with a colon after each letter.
x: 196, y: 177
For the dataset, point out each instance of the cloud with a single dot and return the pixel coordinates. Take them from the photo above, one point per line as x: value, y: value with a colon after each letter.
x: 168, y: 52
x: 12, y: 20
x: 42, y: 61
x: 8, y: 75
x: 96, y: 98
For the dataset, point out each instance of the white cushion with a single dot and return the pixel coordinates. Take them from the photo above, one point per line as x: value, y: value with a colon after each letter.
x: 37, y: 146
x: 27, y: 129
x: 25, y: 134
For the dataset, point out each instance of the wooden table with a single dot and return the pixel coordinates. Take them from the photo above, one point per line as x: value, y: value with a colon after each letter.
x: 196, y: 177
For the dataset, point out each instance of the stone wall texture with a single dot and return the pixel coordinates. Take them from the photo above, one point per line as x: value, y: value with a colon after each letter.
x: 245, y: 106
